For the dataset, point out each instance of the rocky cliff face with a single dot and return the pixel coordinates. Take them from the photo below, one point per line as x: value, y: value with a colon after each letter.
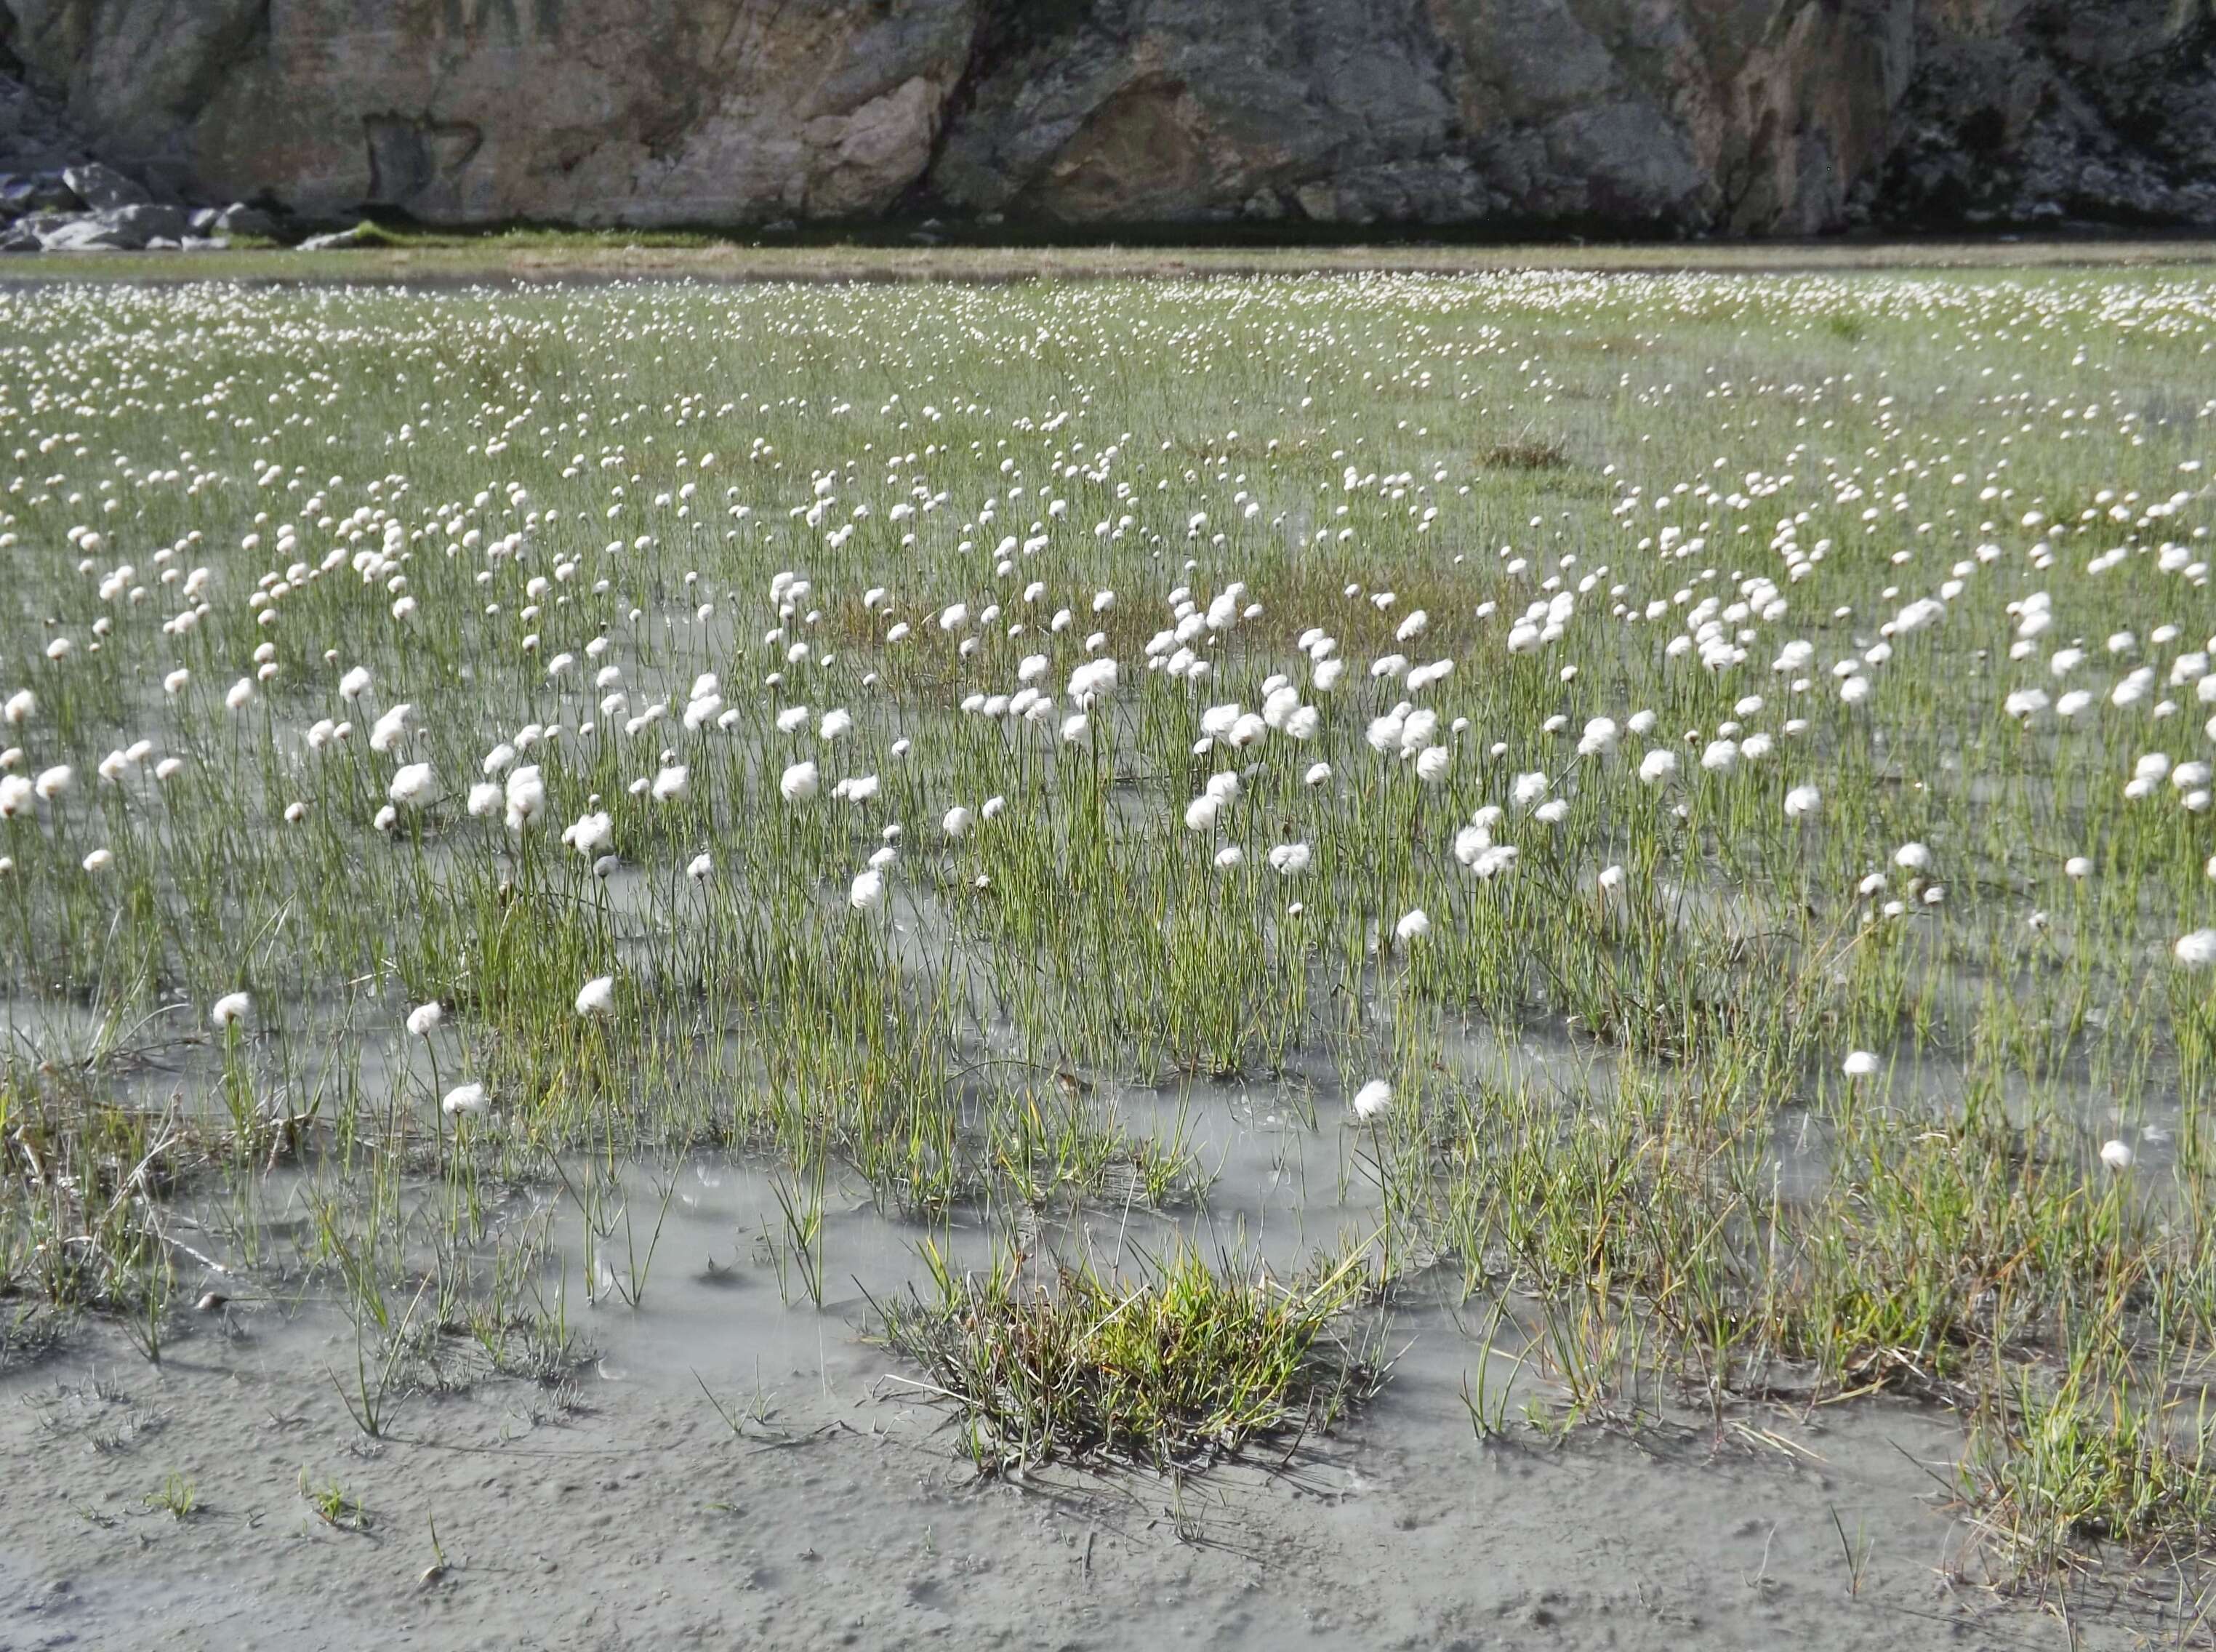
x: 1782, y: 116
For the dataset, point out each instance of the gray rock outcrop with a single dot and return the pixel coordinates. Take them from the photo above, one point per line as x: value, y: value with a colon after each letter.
x: 1674, y: 116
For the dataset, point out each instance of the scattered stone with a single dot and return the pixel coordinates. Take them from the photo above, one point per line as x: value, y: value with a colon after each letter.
x: 118, y: 229
x: 33, y: 228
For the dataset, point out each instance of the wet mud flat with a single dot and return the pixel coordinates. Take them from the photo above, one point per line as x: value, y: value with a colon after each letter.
x: 626, y: 1510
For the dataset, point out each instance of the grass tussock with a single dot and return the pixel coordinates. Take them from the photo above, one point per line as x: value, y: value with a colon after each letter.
x: 1182, y: 1366
x: 2083, y: 1461
x: 1527, y: 454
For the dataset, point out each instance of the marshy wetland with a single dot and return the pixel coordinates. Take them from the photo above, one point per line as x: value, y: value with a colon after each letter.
x: 1501, y: 959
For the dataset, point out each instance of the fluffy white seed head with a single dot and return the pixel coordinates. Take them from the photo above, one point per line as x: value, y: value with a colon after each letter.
x: 413, y: 785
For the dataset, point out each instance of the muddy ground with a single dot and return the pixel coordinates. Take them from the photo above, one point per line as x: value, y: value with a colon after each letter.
x: 626, y: 1511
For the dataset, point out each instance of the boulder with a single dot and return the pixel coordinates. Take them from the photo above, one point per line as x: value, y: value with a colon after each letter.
x: 118, y: 229
x: 239, y: 219
x: 103, y: 187
x: 37, y: 192
x: 89, y: 234
x: 149, y: 221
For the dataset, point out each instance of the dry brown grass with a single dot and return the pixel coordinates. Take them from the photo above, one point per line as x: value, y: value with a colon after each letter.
x: 1527, y: 454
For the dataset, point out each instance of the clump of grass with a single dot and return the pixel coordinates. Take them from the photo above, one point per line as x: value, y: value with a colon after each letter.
x: 28, y: 1332
x: 535, y: 237
x: 2067, y: 1466
x: 1527, y: 454
x: 97, y: 1412
x: 334, y: 1504
x: 177, y: 1497
x: 79, y: 1222
x: 1176, y: 1369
